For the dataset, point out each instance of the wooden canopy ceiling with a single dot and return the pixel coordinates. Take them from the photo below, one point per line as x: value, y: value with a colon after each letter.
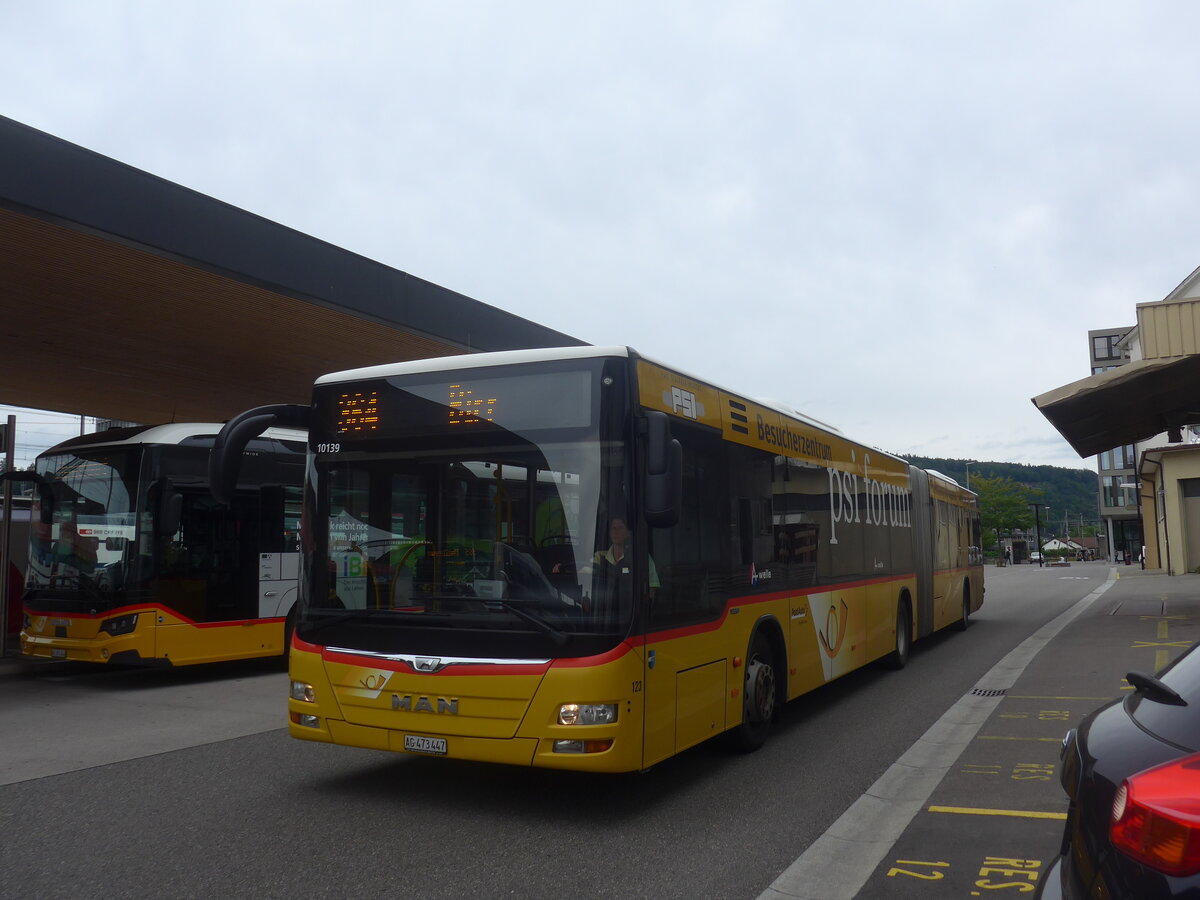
x: 125, y: 296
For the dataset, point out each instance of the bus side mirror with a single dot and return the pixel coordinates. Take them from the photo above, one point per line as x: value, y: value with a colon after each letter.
x: 45, y: 493
x: 225, y: 458
x: 664, y: 472
x: 170, y: 508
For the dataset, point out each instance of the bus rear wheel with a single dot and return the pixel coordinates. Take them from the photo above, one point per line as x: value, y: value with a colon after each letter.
x: 759, y: 696
x: 966, y: 609
x: 898, y: 658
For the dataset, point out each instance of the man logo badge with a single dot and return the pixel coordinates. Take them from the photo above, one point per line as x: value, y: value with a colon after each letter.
x: 424, y: 704
x: 427, y: 663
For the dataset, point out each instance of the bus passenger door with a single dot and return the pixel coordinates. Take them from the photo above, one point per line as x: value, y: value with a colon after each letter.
x: 278, y: 575
x: 685, y: 697
x: 687, y: 662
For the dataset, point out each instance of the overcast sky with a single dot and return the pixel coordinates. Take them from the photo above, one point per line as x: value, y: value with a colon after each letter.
x: 901, y: 218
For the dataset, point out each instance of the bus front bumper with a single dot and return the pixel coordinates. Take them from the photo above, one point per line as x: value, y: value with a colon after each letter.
x: 94, y: 650
x: 516, y: 751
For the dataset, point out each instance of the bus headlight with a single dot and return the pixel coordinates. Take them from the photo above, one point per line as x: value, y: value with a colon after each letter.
x: 587, y: 714
x: 303, y: 692
x: 119, y: 624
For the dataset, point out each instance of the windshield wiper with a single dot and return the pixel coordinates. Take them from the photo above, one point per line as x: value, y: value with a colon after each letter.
x: 82, y: 582
x: 559, y: 637
x: 345, y: 616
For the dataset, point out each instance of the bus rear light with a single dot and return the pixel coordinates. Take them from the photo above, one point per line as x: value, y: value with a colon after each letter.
x: 587, y: 714
x: 303, y: 692
x: 305, y: 720
x: 119, y: 624
x: 582, y: 746
x: 1156, y: 817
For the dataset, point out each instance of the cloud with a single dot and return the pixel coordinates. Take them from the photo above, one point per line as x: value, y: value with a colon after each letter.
x: 900, y: 219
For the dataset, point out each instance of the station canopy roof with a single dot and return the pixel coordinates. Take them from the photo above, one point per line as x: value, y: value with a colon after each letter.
x: 128, y: 297
x: 1131, y: 403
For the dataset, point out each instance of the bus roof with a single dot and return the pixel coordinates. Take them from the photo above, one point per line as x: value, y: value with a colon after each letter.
x: 516, y: 357
x: 170, y: 434
x: 472, y: 361
x: 946, y: 478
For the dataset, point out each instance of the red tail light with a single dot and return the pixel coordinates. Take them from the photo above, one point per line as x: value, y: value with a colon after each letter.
x: 1156, y: 817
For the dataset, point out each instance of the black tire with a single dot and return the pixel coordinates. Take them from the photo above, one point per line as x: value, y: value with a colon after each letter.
x: 965, y: 621
x: 898, y: 658
x: 760, y: 696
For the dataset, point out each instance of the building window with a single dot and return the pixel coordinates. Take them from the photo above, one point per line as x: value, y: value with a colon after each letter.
x: 1117, y: 458
x: 1116, y: 495
x: 1112, y: 491
x: 1104, y: 346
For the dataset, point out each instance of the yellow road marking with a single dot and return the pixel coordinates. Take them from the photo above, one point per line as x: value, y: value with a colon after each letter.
x: 1143, y: 645
x: 1013, y: 813
x: 1162, y: 630
x: 1038, y: 697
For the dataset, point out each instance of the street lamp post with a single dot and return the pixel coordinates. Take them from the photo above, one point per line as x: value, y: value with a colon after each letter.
x: 1037, y: 525
x: 968, y: 464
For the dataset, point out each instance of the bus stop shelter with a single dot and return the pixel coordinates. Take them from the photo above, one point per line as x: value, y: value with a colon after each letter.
x: 1128, y: 404
x: 125, y: 296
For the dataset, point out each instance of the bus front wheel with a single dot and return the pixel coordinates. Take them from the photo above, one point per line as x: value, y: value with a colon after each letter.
x: 759, y: 696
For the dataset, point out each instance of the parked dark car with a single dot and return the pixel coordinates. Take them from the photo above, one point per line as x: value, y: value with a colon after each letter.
x: 1132, y: 773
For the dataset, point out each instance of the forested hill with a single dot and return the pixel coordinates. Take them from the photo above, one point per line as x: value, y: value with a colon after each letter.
x: 1074, y: 492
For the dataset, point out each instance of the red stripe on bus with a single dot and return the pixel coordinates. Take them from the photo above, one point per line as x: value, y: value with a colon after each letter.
x: 671, y: 634
x: 152, y: 610
x: 396, y: 665
x: 399, y: 665
x: 581, y: 662
x: 612, y: 655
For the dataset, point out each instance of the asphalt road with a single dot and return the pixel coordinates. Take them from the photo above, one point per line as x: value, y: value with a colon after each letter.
x: 183, y: 784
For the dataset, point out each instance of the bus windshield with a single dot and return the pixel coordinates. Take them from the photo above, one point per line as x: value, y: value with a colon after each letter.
x: 471, y: 543
x: 116, y: 538
x: 81, y: 552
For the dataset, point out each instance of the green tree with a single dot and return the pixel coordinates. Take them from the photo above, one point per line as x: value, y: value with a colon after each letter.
x: 1003, y: 506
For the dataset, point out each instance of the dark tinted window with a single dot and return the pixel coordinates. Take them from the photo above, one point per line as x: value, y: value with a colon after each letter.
x: 692, y: 559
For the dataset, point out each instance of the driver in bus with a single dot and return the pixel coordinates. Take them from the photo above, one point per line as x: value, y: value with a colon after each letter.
x: 611, y: 562
x: 619, y: 535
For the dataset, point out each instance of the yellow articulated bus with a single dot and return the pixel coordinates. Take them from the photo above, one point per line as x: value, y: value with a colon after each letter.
x: 132, y: 561
x: 582, y: 559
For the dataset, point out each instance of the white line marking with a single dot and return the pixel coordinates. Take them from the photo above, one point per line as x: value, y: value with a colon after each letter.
x: 838, y: 863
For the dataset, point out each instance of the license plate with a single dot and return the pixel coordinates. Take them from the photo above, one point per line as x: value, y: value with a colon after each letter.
x: 58, y: 654
x: 417, y: 743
